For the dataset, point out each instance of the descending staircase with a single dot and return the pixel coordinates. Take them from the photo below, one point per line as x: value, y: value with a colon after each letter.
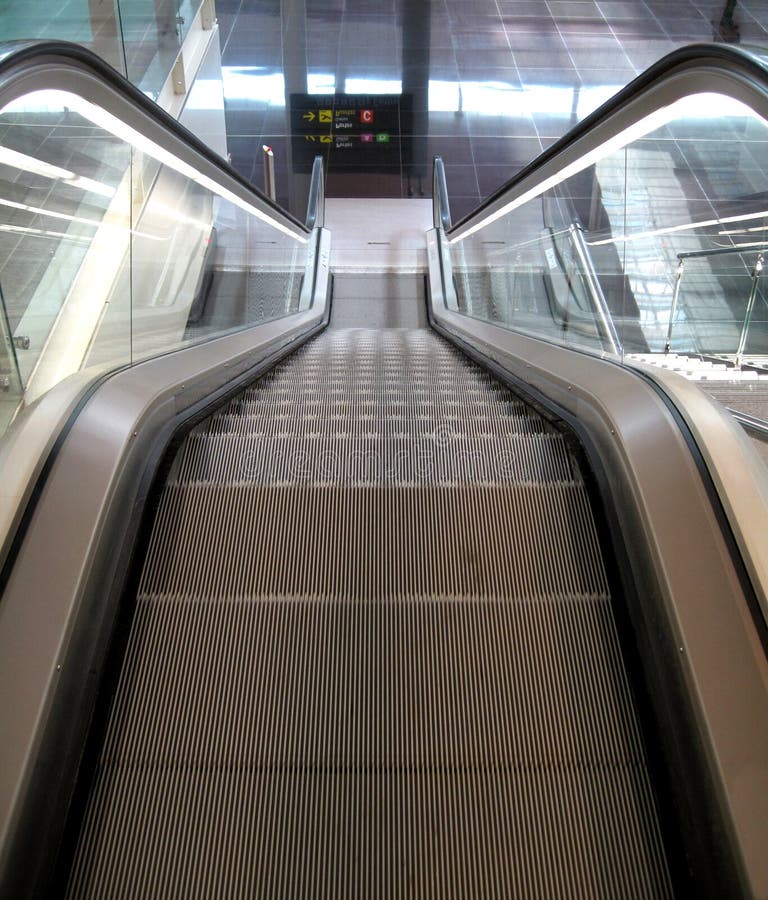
x: 742, y: 390
x: 698, y: 368
x: 373, y: 652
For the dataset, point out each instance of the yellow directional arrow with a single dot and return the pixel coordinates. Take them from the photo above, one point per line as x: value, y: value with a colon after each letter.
x: 309, y: 116
x: 326, y: 139
x: 310, y: 137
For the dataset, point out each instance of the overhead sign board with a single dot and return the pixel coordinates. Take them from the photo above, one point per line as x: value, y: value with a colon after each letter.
x: 361, y: 132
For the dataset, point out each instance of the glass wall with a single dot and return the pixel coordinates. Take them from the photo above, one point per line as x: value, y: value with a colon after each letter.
x: 652, y: 248
x: 139, y: 38
x: 51, y: 215
x: 112, y: 250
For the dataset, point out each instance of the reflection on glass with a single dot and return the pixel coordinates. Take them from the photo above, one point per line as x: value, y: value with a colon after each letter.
x: 651, y: 247
x: 695, y: 209
x: 140, y: 39
x: 202, y: 267
x: 10, y: 381
x: 718, y: 303
x: 64, y: 210
x: 551, y: 284
x: 112, y: 250
x: 151, y: 35
x: 90, y: 23
x: 652, y: 244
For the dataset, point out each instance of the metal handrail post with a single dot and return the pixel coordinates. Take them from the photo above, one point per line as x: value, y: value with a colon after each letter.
x: 673, y: 308
x: 9, y: 350
x: 270, y: 188
x: 748, y: 313
x: 595, y: 290
x: 316, y: 202
x: 441, y: 213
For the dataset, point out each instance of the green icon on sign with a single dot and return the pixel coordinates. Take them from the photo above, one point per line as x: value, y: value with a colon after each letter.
x: 382, y: 137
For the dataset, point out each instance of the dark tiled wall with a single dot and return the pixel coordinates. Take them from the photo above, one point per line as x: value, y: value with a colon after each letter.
x: 508, y: 76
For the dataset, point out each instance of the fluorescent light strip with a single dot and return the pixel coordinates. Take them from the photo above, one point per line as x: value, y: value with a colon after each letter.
x: 92, y: 223
x: 26, y: 163
x: 547, y: 237
x: 617, y: 142
x: 91, y: 186
x: 40, y: 232
x: 157, y: 206
x: 115, y: 126
x: 748, y: 245
x: 744, y: 230
x: 640, y: 129
x: 672, y: 229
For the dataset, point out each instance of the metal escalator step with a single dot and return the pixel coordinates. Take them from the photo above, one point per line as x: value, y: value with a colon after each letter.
x: 435, y: 748
x: 375, y: 541
x: 517, y: 647
x: 431, y: 379
x: 276, y: 400
x: 381, y: 419
x: 371, y: 458
x: 364, y: 419
x: 442, y: 833
x: 383, y: 407
x: 349, y: 677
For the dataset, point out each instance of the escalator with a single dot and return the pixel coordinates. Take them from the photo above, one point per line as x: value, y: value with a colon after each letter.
x: 333, y: 685
x: 369, y: 591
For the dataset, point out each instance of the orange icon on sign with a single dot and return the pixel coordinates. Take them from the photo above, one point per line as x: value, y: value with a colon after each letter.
x: 366, y: 116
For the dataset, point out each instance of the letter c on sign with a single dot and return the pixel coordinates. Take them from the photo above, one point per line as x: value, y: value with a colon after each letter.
x: 366, y: 116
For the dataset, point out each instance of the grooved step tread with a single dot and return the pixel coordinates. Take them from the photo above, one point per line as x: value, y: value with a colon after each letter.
x: 371, y: 457
x: 372, y: 654
x: 374, y: 541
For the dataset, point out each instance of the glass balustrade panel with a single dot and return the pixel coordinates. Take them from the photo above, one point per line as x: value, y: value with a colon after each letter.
x: 64, y: 213
x: 202, y: 266
x: 530, y: 269
x: 691, y: 225
x: 657, y: 241
x: 141, y: 39
x: 112, y: 250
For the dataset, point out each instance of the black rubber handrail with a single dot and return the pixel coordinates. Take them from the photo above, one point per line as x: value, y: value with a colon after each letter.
x: 752, y: 63
x: 18, y: 53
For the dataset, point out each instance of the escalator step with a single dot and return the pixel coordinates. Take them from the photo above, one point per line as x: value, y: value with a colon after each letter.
x: 378, y: 659
x: 368, y: 457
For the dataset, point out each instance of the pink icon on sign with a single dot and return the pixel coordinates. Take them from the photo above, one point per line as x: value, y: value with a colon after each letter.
x: 367, y: 138
x: 366, y: 116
